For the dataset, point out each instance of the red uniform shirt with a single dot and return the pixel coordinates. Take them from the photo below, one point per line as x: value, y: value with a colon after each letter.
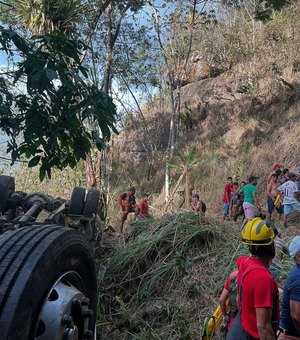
x: 259, y: 290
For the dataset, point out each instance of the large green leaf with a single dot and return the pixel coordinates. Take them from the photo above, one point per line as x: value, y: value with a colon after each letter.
x: 47, y: 120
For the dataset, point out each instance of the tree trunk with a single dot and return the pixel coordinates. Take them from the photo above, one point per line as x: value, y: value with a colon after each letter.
x: 93, y: 166
x: 174, y: 191
x: 112, y: 35
x: 174, y: 96
x: 187, y: 188
x: 90, y: 171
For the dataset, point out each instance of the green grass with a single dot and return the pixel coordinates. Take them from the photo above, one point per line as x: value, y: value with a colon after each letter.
x: 165, y: 279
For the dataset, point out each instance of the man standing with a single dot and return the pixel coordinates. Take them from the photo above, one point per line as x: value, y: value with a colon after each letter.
x: 251, y: 201
x: 227, y: 198
x: 289, y: 326
x: 272, y: 193
x: 258, y: 291
x: 291, y: 199
x: 276, y: 167
x: 127, y: 204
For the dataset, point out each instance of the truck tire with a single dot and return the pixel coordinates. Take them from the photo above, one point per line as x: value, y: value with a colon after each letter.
x: 7, y: 188
x: 48, y: 284
x: 91, y: 203
x: 77, y: 201
x: 102, y: 211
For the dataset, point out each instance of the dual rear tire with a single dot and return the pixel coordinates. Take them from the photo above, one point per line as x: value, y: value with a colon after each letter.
x: 87, y: 206
x: 48, y: 284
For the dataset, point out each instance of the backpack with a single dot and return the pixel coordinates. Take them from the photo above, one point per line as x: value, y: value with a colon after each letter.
x: 236, y: 330
x: 233, y: 289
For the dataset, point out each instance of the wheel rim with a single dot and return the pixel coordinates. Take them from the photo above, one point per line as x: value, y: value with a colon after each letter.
x: 65, y: 313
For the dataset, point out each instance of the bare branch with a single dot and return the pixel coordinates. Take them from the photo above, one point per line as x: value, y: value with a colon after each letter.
x: 6, y: 4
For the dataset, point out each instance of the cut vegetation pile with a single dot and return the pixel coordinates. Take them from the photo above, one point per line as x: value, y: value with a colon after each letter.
x: 165, y: 279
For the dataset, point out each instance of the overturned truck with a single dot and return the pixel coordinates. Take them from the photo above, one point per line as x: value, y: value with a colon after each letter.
x: 48, y: 277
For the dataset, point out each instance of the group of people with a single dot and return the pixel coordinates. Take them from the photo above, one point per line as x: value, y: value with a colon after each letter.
x: 252, y: 289
x: 127, y: 204
x: 283, y: 194
x: 286, y: 185
x: 255, y: 310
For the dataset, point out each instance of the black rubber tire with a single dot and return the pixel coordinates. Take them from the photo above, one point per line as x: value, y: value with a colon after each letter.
x: 91, y: 203
x: 102, y: 211
x: 7, y: 188
x: 77, y: 201
x: 31, y: 260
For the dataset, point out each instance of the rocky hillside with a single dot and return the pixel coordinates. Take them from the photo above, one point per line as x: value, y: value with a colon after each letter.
x: 238, y: 131
x: 239, y: 107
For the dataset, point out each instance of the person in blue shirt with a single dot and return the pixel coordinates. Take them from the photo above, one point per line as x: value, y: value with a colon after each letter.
x: 289, y: 325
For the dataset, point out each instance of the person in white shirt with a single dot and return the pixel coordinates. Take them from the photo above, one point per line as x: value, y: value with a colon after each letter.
x: 291, y: 198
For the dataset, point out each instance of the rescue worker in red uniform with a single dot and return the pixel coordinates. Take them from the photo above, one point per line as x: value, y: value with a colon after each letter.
x: 257, y: 289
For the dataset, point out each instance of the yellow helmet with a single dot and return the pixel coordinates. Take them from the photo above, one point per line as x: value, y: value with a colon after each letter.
x: 258, y: 232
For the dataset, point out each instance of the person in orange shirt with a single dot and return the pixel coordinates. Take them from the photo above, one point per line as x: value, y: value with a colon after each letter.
x: 143, y: 208
x: 127, y: 204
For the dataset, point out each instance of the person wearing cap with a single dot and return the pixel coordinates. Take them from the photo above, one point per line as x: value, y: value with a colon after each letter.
x: 258, y: 297
x: 276, y: 167
x: 251, y: 202
x: 291, y: 198
x: 289, y: 326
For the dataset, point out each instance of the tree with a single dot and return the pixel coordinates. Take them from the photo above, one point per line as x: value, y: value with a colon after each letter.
x: 175, y: 58
x: 108, y: 40
x: 184, y: 166
x: 47, y: 123
x: 46, y: 16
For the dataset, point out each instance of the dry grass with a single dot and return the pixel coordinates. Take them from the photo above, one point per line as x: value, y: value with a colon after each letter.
x: 166, y: 275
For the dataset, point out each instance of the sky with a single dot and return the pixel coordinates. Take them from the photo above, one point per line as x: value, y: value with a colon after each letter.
x: 143, y: 16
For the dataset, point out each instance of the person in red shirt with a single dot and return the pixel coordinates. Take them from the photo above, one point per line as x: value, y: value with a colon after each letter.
x: 143, y: 207
x: 227, y: 198
x: 258, y: 291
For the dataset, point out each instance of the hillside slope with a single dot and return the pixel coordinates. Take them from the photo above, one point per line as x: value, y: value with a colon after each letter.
x: 234, y: 133
x: 241, y: 120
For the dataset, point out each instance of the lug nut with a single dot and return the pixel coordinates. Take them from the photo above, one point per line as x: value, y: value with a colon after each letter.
x: 76, y: 303
x: 85, y: 301
x: 88, y: 334
x: 87, y: 313
x: 67, y: 320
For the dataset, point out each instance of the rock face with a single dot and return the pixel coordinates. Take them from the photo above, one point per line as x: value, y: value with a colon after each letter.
x: 225, y: 110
